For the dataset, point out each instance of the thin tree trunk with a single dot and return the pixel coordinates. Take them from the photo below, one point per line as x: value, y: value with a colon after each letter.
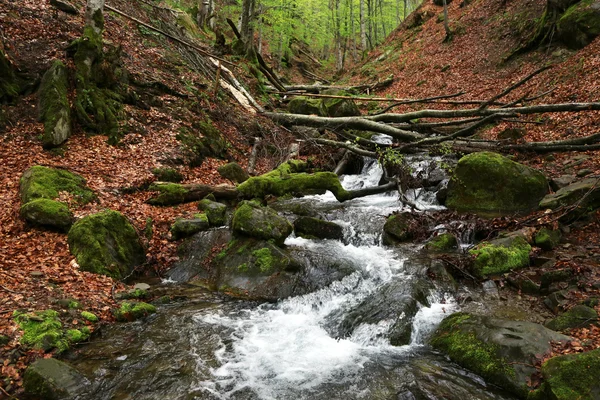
x: 363, y: 26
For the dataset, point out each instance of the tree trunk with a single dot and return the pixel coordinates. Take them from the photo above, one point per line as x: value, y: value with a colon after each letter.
x: 363, y: 26
x: 247, y: 25
x: 446, y: 23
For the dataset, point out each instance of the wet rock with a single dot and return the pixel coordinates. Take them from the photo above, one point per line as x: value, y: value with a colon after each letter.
x: 131, y: 311
x: 106, y: 243
x: 183, y: 228
x: 442, y: 243
x: 572, y: 376
x: 260, y: 222
x: 308, y: 227
x: 553, y: 276
x: 577, y: 317
x: 397, y: 229
x: 547, y: 239
x: 48, y: 378
x: 48, y: 213
x: 233, y: 172
x: 503, y: 352
x: 216, y: 212
x: 490, y: 290
x: 525, y: 283
x: 489, y: 184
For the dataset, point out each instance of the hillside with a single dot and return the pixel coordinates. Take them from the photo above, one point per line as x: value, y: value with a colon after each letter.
x: 37, y: 271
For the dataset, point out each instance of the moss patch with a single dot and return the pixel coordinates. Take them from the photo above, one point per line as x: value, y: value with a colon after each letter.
x: 443, y: 242
x: 55, y: 111
x: 169, y: 193
x: 580, y: 24
x: 215, y: 212
x: 40, y: 182
x: 577, y: 317
x: 88, y: 316
x: 260, y: 222
x: 49, y: 213
x: 491, y: 259
x: 42, y: 330
x: 132, y: 311
x: 263, y: 260
x: 167, y: 175
x: 547, y: 239
x: 572, y: 376
x: 106, y: 243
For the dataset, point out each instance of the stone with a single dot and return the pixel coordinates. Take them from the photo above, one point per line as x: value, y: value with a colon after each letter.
x: 48, y: 213
x: 556, y: 301
x: 305, y: 106
x: 489, y: 184
x: 547, y: 239
x: 51, y: 379
x: 572, y: 376
x: 580, y: 24
x: 260, y: 222
x: 503, y: 352
x: 579, y: 316
x: 397, y: 229
x: 133, y: 311
x: 167, y: 175
x: 44, y: 182
x: 65, y: 6
x: 183, y: 228
x: 571, y: 194
x: 141, y: 286
x: 555, y: 275
x: 333, y: 107
x: 499, y: 256
x: 309, y: 227
x: 233, y: 172
x: 215, y: 212
x: 55, y: 110
x: 106, y: 243
x: 584, y: 172
x: 442, y: 243
x: 512, y: 134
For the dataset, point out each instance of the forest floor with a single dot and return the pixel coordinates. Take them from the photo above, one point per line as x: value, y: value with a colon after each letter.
x: 36, y: 269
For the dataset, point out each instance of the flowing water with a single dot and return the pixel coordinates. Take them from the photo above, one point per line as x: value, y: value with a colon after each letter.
x: 313, y: 346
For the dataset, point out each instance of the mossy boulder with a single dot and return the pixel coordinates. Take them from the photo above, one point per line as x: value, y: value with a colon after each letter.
x: 55, y: 110
x: 441, y: 243
x: 233, y: 172
x: 167, y: 175
x: 397, y: 229
x: 572, y: 376
x: 306, y: 106
x: 51, y: 379
x: 572, y: 194
x: 547, y: 239
x: 260, y: 222
x: 48, y: 213
x: 89, y: 316
x: 183, y: 228
x: 502, y: 352
x: 310, y: 228
x: 288, y: 180
x: 132, y: 311
x: 500, y: 256
x: 106, y: 243
x: 40, y: 182
x: 333, y: 107
x: 489, y: 184
x: 577, y: 317
x: 42, y: 330
x: 580, y: 24
x: 215, y: 212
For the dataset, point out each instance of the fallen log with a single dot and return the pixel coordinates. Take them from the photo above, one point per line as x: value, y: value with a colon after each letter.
x: 175, y: 193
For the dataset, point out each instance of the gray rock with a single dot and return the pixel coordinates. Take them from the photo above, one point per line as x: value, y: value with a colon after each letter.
x: 577, y: 317
x: 572, y: 376
x: 317, y: 228
x: 65, y: 6
x: 55, y: 111
x: 233, y: 172
x: 571, y: 194
x: 260, y: 222
x: 561, y: 182
x: 183, y: 228
x: 216, y: 212
x: 48, y: 378
x: 503, y: 352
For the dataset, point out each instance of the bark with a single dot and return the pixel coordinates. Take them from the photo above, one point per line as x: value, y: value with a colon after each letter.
x: 171, y: 194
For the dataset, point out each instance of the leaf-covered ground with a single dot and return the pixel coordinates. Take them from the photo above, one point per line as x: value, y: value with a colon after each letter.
x: 36, y: 269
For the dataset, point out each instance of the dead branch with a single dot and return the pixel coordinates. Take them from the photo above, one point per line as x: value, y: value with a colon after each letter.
x: 515, y: 86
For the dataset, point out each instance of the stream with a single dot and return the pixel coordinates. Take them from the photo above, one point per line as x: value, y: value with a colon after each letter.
x: 334, y: 343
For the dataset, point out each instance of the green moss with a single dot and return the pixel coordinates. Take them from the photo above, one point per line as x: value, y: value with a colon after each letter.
x: 9, y: 85
x: 243, y: 267
x: 55, y: 110
x: 572, y: 376
x: 169, y: 193
x: 183, y: 228
x: 88, y: 316
x: 167, y: 174
x: 106, y: 243
x: 468, y: 351
x: 49, y: 213
x: 547, y: 239
x: 443, y: 242
x: 580, y: 24
x: 493, y: 259
x: 132, y: 311
x: 264, y: 223
x: 215, y: 212
x: 40, y: 182
x: 42, y: 330
x: 306, y: 106
x: 75, y: 335
x: 577, y: 317
x: 73, y: 305
x: 263, y: 259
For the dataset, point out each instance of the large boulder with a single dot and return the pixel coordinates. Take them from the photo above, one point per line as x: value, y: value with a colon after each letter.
x: 502, y: 352
x: 577, y: 317
x: 183, y: 228
x: 48, y: 213
x: 500, y: 255
x: 490, y: 184
x: 580, y: 24
x: 398, y: 228
x: 233, y: 172
x: 309, y: 227
x: 253, y: 220
x: 106, y: 243
x: 336, y: 107
x: 571, y: 376
x: 586, y: 193
x: 46, y: 183
x: 215, y: 212
x: 50, y: 379
x: 55, y: 111
x: 306, y: 106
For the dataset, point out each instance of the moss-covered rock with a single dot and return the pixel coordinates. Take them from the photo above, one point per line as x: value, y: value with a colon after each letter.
x: 572, y: 376
x: 572, y: 194
x: 577, y: 317
x: 215, y: 212
x: 547, y: 239
x: 40, y: 182
x: 167, y: 175
x: 48, y: 213
x: 106, y: 243
x: 580, y: 24
x: 50, y: 379
x: 9, y: 84
x: 490, y: 184
x: 88, y: 316
x: 333, y: 107
x: 169, y: 193
x: 259, y: 222
x: 309, y: 227
x: 443, y: 242
x: 55, y: 111
x: 306, y: 106
x: 502, y: 352
x: 288, y: 179
x: 132, y: 311
x: 233, y: 172
x: 42, y: 330
x: 203, y: 140
x: 498, y: 257
x: 397, y: 229
x: 183, y: 228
